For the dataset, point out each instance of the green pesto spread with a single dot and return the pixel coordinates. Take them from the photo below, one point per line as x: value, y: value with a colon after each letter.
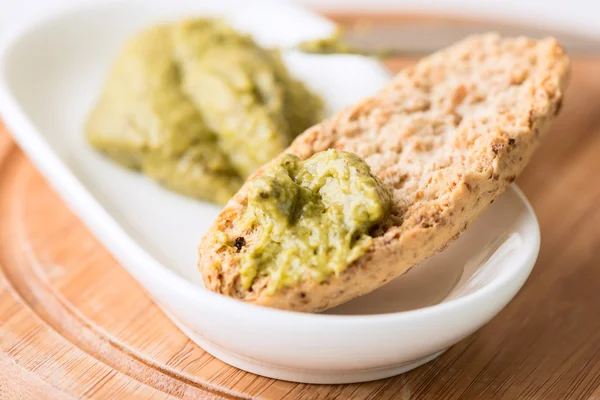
x: 339, y: 43
x: 333, y: 44
x: 312, y: 218
x: 256, y: 107
x: 197, y: 107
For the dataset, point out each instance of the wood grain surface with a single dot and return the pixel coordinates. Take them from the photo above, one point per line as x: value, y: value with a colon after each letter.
x: 74, y: 324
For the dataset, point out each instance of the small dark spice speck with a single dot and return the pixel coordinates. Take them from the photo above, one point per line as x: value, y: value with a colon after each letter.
x: 239, y: 243
x: 264, y: 195
x: 511, y: 141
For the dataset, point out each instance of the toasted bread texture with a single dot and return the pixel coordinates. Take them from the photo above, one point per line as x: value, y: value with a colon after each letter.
x: 448, y: 135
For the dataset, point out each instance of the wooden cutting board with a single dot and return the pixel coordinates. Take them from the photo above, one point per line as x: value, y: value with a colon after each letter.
x: 74, y: 324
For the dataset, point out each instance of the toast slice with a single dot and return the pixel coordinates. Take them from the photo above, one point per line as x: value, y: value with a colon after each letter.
x: 448, y: 135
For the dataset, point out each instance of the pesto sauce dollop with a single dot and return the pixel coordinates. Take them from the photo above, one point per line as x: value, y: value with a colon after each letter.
x: 243, y: 91
x: 312, y: 217
x: 198, y: 106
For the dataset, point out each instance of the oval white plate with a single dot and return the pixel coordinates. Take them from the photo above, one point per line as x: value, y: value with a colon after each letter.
x: 51, y: 71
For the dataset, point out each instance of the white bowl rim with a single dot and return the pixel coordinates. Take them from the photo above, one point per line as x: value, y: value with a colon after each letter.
x: 84, y: 205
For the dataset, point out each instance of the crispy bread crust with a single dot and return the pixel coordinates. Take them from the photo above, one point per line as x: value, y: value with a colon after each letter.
x: 448, y: 135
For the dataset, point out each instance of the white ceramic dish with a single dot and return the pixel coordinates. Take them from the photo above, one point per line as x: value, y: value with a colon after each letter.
x: 50, y: 73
